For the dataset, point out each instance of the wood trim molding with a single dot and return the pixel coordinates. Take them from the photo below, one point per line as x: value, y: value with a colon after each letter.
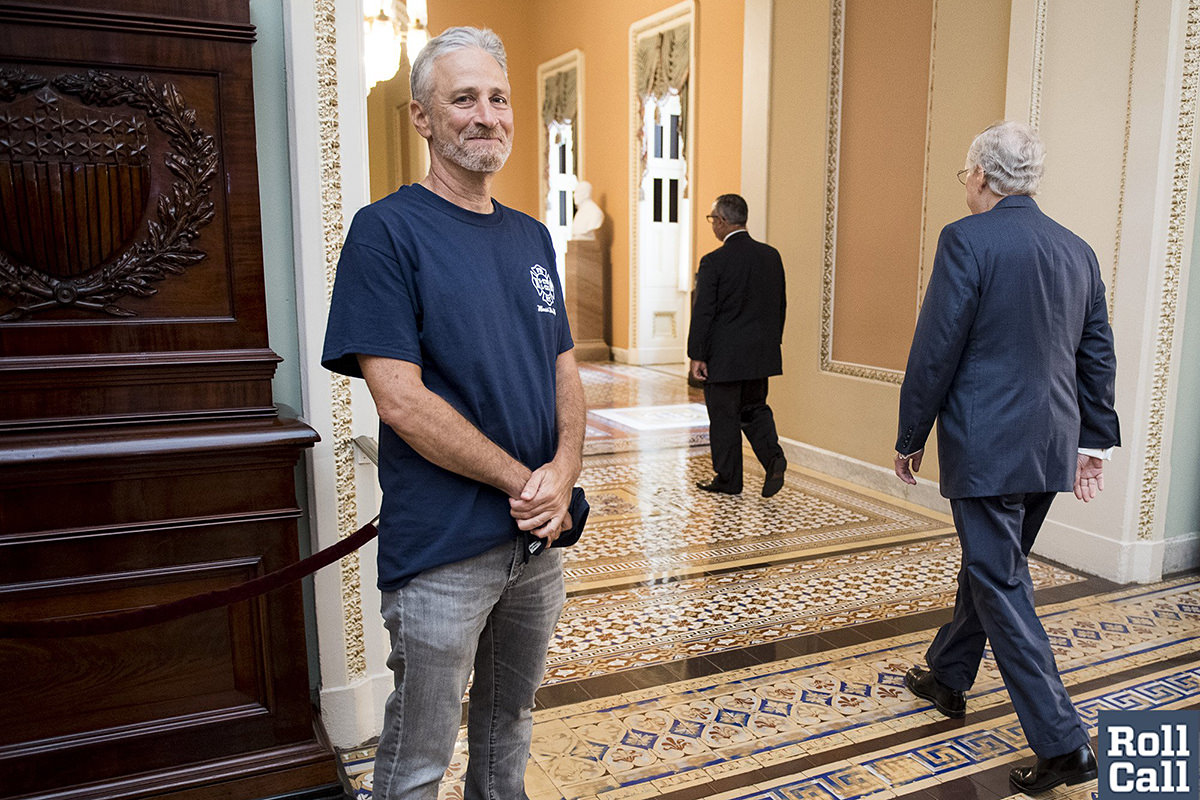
x: 109, y: 21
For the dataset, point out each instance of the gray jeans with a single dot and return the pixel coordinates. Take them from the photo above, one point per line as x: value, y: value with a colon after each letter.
x: 492, y: 612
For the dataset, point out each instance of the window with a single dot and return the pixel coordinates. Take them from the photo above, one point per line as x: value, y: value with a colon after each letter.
x: 560, y: 89
x: 665, y: 165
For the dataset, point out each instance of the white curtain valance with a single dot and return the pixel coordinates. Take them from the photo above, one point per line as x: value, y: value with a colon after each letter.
x: 663, y: 62
x: 561, y: 97
x: 662, y: 68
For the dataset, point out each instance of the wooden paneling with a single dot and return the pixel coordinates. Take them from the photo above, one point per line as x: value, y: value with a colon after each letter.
x: 127, y: 173
x: 139, y: 518
x: 587, y: 293
x: 141, y: 456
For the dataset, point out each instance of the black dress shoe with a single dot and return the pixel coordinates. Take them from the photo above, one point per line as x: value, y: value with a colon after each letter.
x: 1074, y: 767
x: 774, y: 479
x: 924, y: 684
x: 713, y: 486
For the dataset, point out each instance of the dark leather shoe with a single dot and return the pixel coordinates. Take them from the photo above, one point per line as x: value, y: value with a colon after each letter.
x: 925, y: 685
x: 713, y: 486
x: 1074, y: 767
x: 774, y: 479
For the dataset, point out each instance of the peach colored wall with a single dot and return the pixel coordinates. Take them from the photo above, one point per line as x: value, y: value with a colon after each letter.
x: 851, y: 415
x: 536, y: 31
x: 881, y: 167
x: 516, y: 185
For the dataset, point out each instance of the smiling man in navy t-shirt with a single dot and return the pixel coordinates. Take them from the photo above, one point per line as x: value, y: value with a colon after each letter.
x: 448, y: 303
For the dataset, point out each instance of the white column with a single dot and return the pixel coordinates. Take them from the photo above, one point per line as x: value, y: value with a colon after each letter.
x: 1112, y: 89
x: 756, y: 112
x: 327, y: 110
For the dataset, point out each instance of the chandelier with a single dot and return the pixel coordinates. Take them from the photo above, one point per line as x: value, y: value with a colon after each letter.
x: 392, y: 29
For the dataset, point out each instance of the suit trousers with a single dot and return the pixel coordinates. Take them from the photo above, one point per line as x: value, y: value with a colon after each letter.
x: 734, y: 407
x: 995, y: 604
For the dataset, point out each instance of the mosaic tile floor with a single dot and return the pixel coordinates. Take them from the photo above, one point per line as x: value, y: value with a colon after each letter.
x: 750, y: 649
x: 634, y: 408
x: 657, y: 418
x: 609, y: 631
x: 649, y: 522
x: 698, y: 730
x: 609, y: 385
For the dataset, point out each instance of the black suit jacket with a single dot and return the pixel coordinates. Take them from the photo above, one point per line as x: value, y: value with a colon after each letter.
x: 1013, y: 355
x: 737, y: 319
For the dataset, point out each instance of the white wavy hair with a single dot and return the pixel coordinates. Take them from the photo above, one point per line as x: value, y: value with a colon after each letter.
x: 1012, y: 156
x: 420, y: 80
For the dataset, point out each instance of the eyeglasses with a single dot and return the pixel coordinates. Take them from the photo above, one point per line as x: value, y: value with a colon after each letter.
x: 711, y: 217
x: 962, y: 176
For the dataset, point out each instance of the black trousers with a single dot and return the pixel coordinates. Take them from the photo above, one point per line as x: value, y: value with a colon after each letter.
x: 995, y: 605
x: 734, y: 408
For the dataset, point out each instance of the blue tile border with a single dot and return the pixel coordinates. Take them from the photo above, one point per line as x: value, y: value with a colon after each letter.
x: 973, y: 750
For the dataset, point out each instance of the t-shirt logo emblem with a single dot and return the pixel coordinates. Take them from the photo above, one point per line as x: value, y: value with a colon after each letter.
x: 541, y: 282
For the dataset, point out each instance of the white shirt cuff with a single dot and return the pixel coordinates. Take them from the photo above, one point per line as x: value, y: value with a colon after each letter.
x: 1105, y: 454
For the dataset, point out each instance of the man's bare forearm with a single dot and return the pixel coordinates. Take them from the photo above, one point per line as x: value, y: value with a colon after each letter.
x: 571, y: 415
x: 433, y: 428
x: 541, y: 508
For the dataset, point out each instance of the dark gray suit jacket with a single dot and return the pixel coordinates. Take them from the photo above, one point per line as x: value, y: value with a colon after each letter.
x: 1012, y: 354
x: 737, y: 317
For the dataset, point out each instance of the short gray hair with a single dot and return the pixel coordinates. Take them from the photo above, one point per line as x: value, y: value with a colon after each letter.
x: 420, y: 80
x: 1012, y: 157
x: 731, y: 208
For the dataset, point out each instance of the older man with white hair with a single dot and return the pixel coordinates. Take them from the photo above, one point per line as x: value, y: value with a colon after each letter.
x: 1013, y: 356
x: 448, y: 303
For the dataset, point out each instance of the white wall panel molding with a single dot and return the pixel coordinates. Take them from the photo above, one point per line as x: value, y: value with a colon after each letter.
x: 327, y: 117
x: 756, y: 112
x: 1112, y: 88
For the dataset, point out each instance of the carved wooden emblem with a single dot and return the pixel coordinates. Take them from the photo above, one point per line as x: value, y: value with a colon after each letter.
x: 75, y: 183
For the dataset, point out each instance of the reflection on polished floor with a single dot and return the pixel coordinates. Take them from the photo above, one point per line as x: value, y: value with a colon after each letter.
x: 741, y: 647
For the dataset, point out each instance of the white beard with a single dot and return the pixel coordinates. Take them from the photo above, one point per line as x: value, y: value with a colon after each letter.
x: 471, y: 159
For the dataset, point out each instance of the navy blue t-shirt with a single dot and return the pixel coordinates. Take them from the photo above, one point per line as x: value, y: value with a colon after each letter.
x: 474, y: 300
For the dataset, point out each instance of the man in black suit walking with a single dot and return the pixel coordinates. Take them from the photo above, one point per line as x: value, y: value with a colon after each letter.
x: 1013, y: 355
x: 734, y: 346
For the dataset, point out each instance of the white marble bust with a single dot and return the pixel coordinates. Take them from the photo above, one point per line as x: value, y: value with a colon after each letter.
x: 589, y: 217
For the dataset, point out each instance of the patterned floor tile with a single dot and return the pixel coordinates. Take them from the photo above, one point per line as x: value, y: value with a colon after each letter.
x: 610, y: 631
x: 608, y: 385
x: 796, y: 706
x: 636, y: 391
x: 649, y: 521
x: 977, y: 747
x: 605, y: 437
x: 711, y: 726
x: 667, y: 572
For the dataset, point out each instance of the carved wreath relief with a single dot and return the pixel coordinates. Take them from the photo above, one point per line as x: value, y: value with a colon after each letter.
x: 75, y: 183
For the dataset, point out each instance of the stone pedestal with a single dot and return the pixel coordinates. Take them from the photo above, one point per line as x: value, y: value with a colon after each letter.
x: 588, y: 291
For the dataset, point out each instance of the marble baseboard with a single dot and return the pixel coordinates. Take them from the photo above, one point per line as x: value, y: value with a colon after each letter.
x: 862, y: 473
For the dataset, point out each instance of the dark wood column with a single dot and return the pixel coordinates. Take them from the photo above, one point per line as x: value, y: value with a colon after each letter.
x: 141, y: 456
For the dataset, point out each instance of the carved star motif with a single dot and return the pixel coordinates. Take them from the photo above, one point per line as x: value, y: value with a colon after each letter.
x: 93, y: 150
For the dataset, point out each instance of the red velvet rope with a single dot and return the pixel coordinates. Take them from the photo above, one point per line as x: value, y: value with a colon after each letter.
x: 129, y: 619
